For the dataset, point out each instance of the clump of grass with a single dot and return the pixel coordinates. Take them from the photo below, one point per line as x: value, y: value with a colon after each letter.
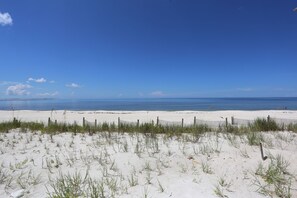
x: 264, y: 125
x: 96, y: 189
x: 32, y: 126
x: 276, y: 177
x: 206, y: 149
x: 6, y: 126
x: 4, y: 175
x: 133, y: 180
x: 232, y: 139
x: 254, y: 138
x: 219, y: 191
x: 223, y: 183
x: 206, y: 168
x: 69, y: 186
x: 292, y: 127
x: 147, y: 166
x: 229, y: 128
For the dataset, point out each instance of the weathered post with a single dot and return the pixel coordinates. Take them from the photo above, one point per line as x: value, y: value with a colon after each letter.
x: 158, y: 121
x: 84, y: 121
x: 138, y: 123
x: 49, y: 121
x: 182, y: 122
x: 226, y: 122
x: 232, y: 120
x: 262, y: 155
x: 95, y: 123
x: 56, y: 122
x: 268, y: 118
x: 119, y: 122
x: 194, y: 120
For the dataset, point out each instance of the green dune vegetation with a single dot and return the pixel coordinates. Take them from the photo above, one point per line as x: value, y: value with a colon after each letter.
x: 258, y: 125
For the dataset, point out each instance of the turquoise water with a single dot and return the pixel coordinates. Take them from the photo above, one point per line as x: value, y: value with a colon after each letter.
x: 164, y: 104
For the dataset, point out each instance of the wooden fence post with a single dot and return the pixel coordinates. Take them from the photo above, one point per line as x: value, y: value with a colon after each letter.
x: 49, y: 121
x: 84, y: 121
x: 157, y: 120
x: 262, y: 155
x: 95, y: 123
x: 119, y: 122
x: 268, y: 118
x: 182, y: 122
x: 232, y: 120
x: 194, y: 120
x: 137, y: 123
x: 56, y: 122
x: 226, y: 122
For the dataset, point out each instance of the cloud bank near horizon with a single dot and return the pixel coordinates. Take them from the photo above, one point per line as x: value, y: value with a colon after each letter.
x: 18, y: 90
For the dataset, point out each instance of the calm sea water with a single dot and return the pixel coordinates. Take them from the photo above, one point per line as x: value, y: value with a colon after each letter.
x: 206, y: 104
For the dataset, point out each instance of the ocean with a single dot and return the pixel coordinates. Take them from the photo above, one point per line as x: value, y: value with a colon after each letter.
x: 161, y: 104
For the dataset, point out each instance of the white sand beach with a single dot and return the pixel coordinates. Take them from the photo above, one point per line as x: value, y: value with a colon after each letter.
x: 139, y: 165
x: 142, y: 116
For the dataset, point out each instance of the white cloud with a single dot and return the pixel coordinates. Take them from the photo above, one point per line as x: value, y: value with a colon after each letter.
x: 19, y: 89
x: 73, y: 85
x: 52, y: 81
x: 40, y: 80
x: 5, y: 19
x: 157, y: 93
x: 48, y: 94
x: 37, y: 80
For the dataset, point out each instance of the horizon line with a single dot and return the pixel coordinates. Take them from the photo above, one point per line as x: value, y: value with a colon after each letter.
x: 136, y: 98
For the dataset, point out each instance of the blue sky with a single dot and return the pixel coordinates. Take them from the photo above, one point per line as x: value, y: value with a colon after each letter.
x: 148, y: 48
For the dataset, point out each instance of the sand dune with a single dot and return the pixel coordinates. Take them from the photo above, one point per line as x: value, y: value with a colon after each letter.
x: 138, y: 165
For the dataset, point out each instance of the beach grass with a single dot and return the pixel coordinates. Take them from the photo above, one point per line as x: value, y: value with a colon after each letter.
x: 275, y: 179
x: 53, y: 128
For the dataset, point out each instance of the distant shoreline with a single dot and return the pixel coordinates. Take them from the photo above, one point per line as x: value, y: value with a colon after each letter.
x: 142, y: 116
